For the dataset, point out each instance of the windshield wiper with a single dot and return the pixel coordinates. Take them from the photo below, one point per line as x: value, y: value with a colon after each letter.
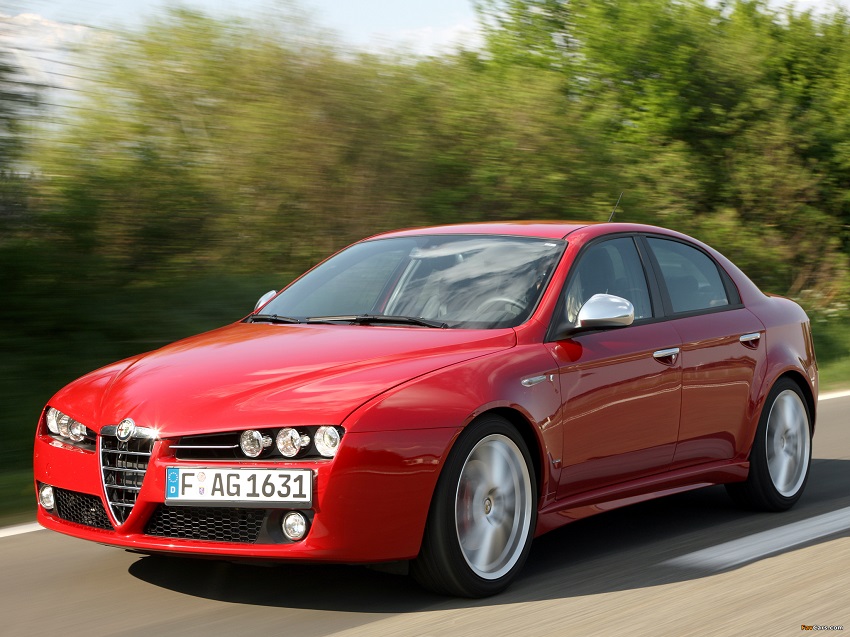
x: 272, y: 318
x: 371, y: 319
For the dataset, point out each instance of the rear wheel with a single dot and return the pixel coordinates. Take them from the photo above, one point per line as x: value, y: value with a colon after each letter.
x: 483, y: 513
x: 781, y: 454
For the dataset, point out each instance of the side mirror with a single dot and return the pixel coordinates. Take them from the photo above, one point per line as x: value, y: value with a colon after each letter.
x: 265, y: 299
x: 606, y: 310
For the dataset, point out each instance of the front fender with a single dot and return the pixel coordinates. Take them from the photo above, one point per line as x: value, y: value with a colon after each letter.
x: 448, y: 400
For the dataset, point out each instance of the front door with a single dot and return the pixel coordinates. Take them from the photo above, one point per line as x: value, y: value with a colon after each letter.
x: 621, y: 387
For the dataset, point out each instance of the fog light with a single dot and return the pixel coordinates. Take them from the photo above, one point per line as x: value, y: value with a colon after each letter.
x: 251, y: 442
x: 327, y: 441
x: 45, y: 497
x: 294, y: 525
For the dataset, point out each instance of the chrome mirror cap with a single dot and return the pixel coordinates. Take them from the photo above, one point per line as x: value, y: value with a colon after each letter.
x: 606, y: 310
x: 265, y: 299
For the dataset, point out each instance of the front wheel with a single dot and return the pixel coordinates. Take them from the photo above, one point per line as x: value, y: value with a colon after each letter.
x: 781, y: 454
x: 483, y: 514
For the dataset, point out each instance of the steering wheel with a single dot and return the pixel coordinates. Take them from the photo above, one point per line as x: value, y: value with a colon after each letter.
x: 519, y: 305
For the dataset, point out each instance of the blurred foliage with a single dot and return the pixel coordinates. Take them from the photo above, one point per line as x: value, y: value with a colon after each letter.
x: 209, y: 146
x: 727, y: 120
x: 204, y: 162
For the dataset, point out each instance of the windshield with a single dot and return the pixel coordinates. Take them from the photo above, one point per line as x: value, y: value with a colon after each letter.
x: 457, y: 280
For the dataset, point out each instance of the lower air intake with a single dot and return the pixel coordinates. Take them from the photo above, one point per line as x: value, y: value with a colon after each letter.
x: 207, y: 523
x: 81, y: 508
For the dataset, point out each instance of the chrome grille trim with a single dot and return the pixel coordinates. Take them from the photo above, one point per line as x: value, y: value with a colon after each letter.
x: 123, y: 466
x: 204, y: 446
x: 140, y: 432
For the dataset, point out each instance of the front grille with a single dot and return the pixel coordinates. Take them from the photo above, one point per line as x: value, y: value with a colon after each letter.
x: 81, y: 508
x: 210, y: 447
x: 123, y: 465
x: 207, y: 523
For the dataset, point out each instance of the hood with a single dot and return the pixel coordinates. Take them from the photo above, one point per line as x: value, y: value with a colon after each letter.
x: 260, y: 375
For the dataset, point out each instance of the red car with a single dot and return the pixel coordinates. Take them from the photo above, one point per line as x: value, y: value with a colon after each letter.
x: 440, y: 397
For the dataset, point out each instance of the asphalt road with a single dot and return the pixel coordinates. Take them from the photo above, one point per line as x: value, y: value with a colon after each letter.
x: 688, y: 564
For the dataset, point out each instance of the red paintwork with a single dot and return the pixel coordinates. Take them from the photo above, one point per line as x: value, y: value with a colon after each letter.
x: 251, y: 375
x: 717, y: 386
x: 623, y: 417
x: 605, y: 431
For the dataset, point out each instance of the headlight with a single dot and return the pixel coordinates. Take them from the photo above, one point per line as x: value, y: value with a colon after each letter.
x: 252, y: 443
x: 64, y: 426
x: 327, y: 441
x: 290, y: 442
x: 53, y: 420
x: 77, y: 431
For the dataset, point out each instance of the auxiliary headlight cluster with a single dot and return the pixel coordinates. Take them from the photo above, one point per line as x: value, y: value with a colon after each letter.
x: 252, y: 443
x: 66, y: 427
x: 292, y: 442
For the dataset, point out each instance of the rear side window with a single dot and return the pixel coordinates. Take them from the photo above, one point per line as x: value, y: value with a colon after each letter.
x: 692, y: 278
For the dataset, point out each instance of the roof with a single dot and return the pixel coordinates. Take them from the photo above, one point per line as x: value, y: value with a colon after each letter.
x: 541, y: 229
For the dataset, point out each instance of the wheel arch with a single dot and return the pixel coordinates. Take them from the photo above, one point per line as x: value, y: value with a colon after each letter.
x: 759, y: 490
x: 800, y: 380
x: 529, y: 435
x: 443, y: 565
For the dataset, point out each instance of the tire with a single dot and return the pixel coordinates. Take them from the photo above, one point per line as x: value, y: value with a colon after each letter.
x: 781, y: 453
x: 483, y: 514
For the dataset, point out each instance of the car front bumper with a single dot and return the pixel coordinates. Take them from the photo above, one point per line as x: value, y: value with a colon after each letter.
x: 370, y: 502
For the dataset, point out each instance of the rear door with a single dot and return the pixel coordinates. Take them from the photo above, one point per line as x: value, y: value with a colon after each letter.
x: 721, y: 349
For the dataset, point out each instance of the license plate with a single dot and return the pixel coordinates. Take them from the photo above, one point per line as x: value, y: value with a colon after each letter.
x: 222, y: 487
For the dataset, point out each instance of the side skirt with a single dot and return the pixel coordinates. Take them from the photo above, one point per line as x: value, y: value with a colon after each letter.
x: 582, y: 505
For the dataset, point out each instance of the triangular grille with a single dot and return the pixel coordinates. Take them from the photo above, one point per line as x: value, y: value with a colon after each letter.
x: 123, y: 467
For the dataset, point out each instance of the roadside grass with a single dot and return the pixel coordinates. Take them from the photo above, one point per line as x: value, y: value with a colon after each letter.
x: 17, y: 497
x: 835, y: 375
x: 832, y: 347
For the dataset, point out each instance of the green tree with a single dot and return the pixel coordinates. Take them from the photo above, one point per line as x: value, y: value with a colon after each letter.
x: 720, y: 118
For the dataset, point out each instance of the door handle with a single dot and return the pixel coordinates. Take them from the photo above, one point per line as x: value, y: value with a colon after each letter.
x: 751, y: 340
x: 671, y: 353
x: 531, y: 381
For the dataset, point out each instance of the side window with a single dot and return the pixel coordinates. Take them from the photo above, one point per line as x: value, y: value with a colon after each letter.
x: 692, y: 278
x: 610, y: 267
